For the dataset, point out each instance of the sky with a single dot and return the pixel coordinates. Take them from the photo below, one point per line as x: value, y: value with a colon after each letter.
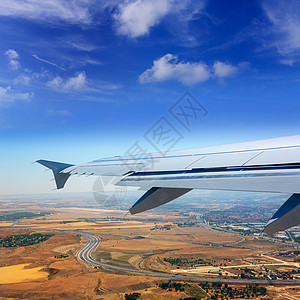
x: 85, y: 79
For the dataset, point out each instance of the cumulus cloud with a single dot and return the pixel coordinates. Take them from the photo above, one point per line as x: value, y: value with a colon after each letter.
x: 12, y: 54
x: 189, y: 73
x: 71, y: 11
x: 14, y: 64
x: 9, y: 96
x: 13, y: 58
x: 23, y: 79
x: 76, y: 83
x: 168, y: 67
x: 285, y: 25
x: 223, y: 70
x: 55, y: 83
x: 135, y: 18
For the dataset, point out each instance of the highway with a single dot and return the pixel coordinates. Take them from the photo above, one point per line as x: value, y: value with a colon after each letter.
x: 228, y: 245
x: 15, y: 223
x: 86, y: 255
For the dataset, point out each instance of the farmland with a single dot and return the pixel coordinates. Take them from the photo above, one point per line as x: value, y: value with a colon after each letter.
x: 167, y: 240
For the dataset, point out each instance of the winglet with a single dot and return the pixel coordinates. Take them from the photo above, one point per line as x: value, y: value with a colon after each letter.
x: 57, y: 167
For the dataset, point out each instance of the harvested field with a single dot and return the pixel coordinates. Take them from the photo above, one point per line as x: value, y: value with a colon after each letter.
x: 18, y: 273
x: 56, y: 257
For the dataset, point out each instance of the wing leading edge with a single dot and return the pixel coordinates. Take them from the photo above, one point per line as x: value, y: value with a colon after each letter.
x: 261, y: 166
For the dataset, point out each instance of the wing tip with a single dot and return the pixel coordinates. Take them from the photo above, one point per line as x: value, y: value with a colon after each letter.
x: 57, y: 168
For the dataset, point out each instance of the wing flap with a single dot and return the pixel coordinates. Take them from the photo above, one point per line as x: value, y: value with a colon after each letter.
x: 288, y: 215
x: 156, y: 197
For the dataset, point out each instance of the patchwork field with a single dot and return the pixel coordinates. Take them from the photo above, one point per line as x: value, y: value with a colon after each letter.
x: 152, y: 241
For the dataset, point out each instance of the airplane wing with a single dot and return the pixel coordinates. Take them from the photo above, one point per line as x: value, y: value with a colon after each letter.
x: 261, y: 166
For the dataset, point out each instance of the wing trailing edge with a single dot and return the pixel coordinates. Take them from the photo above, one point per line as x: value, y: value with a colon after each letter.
x: 288, y: 215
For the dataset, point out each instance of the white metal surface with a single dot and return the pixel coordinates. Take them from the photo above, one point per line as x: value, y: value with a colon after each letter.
x: 261, y: 166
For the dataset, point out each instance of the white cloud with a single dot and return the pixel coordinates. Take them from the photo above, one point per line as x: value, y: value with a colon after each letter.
x: 72, y: 11
x: 285, y: 25
x: 189, y: 73
x: 12, y: 54
x: 22, y: 79
x: 14, y: 64
x: 55, y: 83
x: 8, y: 96
x: 167, y: 67
x: 92, y: 62
x: 78, y: 82
x: 13, y: 58
x: 82, y: 46
x: 223, y: 70
x: 135, y: 18
x: 287, y: 62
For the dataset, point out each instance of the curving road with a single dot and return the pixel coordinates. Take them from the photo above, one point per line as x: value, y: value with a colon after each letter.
x: 85, y: 255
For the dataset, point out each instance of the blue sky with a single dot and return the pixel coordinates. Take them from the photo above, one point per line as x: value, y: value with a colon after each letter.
x: 85, y: 79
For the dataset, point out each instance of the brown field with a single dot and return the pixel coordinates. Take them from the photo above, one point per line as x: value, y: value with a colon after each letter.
x: 5, y: 224
x: 45, y: 276
x: 200, y: 234
x: 137, y: 245
x: 18, y: 273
